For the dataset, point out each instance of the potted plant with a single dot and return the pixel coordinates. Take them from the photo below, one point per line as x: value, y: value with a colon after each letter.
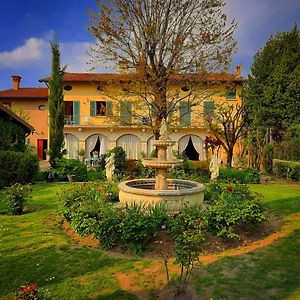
x: 81, y: 153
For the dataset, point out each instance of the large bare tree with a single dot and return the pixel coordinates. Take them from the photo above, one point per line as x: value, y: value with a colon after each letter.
x: 163, y: 42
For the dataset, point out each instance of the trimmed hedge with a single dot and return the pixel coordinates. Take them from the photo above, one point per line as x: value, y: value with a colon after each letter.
x: 17, y: 167
x: 286, y: 169
x: 242, y: 176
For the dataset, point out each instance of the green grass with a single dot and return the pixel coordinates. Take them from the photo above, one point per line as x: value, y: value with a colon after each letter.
x: 34, y: 249
x: 269, y: 273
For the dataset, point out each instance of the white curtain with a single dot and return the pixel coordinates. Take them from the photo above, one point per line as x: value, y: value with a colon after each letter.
x: 71, y: 145
x: 102, y: 146
x: 183, y: 142
x: 199, y: 145
x: 131, y: 144
x: 90, y: 144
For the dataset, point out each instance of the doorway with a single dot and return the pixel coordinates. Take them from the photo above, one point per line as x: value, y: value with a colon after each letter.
x: 42, y: 145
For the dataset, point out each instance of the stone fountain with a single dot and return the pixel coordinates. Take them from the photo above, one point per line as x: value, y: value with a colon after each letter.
x: 174, y: 193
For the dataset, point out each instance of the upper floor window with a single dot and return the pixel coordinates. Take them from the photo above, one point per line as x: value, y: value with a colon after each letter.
x: 209, y: 107
x: 184, y: 114
x: 231, y: 95
x: 125, y: 112
x: 101, y: 108
x: 42, y: 107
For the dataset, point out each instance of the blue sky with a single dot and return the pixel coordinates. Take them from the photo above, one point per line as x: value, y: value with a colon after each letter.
x: 27, y: 26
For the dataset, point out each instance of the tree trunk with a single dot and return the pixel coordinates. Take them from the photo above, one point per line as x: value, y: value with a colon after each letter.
x: 229, y: 157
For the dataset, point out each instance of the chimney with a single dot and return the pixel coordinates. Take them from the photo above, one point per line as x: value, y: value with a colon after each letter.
x: 237, y: 71
x: 16, y: 81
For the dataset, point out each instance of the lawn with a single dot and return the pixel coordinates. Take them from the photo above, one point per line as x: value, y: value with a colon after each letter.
x: 34, y: 249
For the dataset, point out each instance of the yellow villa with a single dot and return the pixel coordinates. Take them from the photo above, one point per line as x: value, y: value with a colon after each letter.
x: 91, y: 110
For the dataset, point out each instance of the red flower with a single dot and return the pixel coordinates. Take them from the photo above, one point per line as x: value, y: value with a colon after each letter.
x: 99, y: 189
x: 229, y: 189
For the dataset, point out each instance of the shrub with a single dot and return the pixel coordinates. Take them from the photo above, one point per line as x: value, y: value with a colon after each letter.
x: 16, y: 196
x: 143, y: 172
x: 17, y: 167
x: 242, y: 176
x: 120, y: 161
x: 231, y: 205
x: 64, y: 167
x: 286, y: 169
x: 93, y: 175
x: 29, y: 291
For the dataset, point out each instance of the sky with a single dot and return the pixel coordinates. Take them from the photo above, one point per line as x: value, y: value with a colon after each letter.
x: 26, y: 27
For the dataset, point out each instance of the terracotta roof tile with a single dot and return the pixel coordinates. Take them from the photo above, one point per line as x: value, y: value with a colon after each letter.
x: 25, y: 93
x: 98, y: 77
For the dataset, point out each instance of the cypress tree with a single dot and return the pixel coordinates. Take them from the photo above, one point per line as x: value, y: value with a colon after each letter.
x: 56, y: 106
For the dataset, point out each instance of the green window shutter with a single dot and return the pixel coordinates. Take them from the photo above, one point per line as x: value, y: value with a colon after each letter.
x: 231, y: 95
x: 209, y: 107
x: 93, y: 108
x: 125, y: 112
x: 76, y: 112
x: 109, y: 111
x: 184, y: 114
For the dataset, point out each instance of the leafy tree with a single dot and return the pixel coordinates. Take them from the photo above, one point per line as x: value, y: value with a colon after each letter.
x: 56, y: 106
x: 226, y: 122
x: 159, y: 41
x: 272, y: 92
x: 19, y: 111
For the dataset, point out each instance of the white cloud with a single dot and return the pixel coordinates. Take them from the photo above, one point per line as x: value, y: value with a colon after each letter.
x: 32, y: 51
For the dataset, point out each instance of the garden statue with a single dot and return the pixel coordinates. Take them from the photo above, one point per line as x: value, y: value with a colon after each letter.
x: 163, y: 132
x: 214, y: 167
x: 110, y: 166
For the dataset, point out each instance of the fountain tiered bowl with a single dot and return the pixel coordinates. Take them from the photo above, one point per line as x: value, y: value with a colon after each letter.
x: 174, y: 193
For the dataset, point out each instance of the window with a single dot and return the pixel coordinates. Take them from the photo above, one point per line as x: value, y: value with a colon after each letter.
x: 209, y: 107
x: 101, y: 108
x: 125, y: 112
x: 184, y: 114
x: 231, y: 95
x: 68, y: 88
x: 42, y: 107
x: 72, y: 112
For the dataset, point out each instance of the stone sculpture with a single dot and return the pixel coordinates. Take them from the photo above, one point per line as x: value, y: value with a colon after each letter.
x: 214, y: 168
x: 110, y: 167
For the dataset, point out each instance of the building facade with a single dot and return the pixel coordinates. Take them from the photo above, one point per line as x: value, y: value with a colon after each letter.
x: 101, y: 112
x: 34, y: 101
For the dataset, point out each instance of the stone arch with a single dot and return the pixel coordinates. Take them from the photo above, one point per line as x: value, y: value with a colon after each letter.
x: 131, y: 144
x: 193, y: 146
x: 95, y: 143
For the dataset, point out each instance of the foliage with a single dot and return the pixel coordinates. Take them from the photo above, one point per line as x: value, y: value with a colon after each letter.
x: 29, y: 291
x: 212, y: 143
x: 108, y: 192
x: 190, y: 170
x: 19, y: 111
x: 93, y: 175
x: 56, y: 106
x: 286, y: 169
x: 272, y: 91
x: 12, y: 136
x: 120, y: 161
x: 64, y: 167
x: 16, y: 196
x: 17, y: 167
x: 289, y: 147
x: 157, y: 40
x: 187, y: 231
x: 141, y: 171
x: 231, y: 205
x: 242, y: 176
x: 226, y: 122
x: 267, y: 159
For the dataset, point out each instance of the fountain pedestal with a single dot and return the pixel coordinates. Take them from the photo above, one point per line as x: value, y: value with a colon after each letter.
x: 174, y: 193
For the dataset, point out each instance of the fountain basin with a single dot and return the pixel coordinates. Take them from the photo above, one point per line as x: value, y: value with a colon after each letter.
x: 179, y: 193
x: 161, y: 164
